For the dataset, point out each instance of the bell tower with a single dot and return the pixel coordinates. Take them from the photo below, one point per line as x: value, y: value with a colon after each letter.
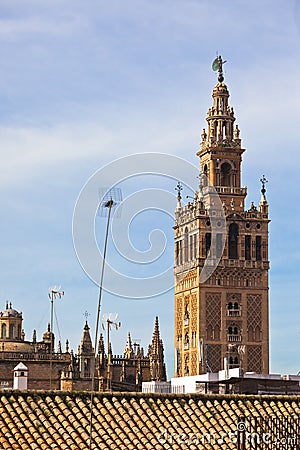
x: 222, y: 320
x: 220, y: 150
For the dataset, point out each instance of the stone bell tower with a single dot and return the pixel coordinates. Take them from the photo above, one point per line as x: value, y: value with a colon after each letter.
x: 223, y: 318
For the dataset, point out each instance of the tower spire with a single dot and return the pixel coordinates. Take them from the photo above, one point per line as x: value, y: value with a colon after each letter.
x: 128, y: 352
x: 220, y: 150
x: 156, y: 355
x: 220, y: 117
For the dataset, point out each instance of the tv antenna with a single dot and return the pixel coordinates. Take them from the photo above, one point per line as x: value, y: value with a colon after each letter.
x: 109, y: 198
x: 54, y: 292
x: 109, y: 321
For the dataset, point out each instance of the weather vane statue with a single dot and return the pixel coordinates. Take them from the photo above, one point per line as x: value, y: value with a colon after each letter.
x: 217, y: 65
x: 179, y: 189
x: 263, y: 181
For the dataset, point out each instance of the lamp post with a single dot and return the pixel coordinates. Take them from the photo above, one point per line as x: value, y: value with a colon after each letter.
x: 53, y: 293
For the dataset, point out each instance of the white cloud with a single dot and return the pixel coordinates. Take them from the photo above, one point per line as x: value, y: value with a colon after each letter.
x: 37, y: 25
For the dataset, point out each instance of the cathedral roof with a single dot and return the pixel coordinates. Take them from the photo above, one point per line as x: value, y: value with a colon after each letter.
x: 44, y: 420
x: 86, y: 341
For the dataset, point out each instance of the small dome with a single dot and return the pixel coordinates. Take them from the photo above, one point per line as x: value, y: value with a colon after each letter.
x: 10, y: 311
x: 220, y: 88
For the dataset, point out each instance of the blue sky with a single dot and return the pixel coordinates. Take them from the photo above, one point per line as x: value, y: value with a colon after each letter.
x: 83, y: 83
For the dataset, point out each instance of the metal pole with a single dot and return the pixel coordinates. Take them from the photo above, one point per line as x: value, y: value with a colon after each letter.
x: 52, y: 294
x: 109, y: 205
x: 51, y: 343
x: 108, y: 355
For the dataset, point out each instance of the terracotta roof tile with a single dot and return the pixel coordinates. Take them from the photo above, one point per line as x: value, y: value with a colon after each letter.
x: 43, y: 420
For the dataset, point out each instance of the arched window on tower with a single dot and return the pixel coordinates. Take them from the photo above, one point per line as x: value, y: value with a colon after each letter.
x: 257, y: 334
x: 233, y: 309
x: 11, y: 331
x: 250, y: 333
x: 248, y: 247
x: 205, y: 178
x: 186, y: 245
x: 233, y: 362
x: 233, y: 334
x: 207, y: 243
x: 226, y: 178
x: 258, y: 248
x: 3, y: 331
x: 180, y: 252
x: 177, y: 253
x: 186, y: 316
x: 186, y: 341
x: 193, y: 246
x: 219, y: 245
x: 233, y: 241
x: 186, y: 367
x: 86, y: 367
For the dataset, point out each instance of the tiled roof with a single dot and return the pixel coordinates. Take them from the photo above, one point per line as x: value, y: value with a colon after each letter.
x: 60, y: 420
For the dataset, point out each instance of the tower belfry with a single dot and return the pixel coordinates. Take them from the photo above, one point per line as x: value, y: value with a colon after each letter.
x: 226, y: 316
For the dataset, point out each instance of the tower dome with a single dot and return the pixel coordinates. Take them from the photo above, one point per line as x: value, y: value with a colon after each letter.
x: 10, y: 311
x: 10, y: 324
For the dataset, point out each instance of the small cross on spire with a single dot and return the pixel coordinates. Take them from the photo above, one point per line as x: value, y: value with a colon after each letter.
x: 86, y: 314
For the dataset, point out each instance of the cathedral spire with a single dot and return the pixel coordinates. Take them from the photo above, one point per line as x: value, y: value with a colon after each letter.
x: 155, y: 339
x: 86, y: 341
x: 101, y: 353
x: 128, y: 352
x: 156, y: 355
x: 101, y: 344
x: 86, y: 355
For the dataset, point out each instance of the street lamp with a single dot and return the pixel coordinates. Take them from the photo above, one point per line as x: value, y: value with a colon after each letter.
x: 53, y: 293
